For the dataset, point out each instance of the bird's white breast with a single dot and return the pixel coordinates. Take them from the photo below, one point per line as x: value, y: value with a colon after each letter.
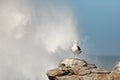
x: 75, y: 50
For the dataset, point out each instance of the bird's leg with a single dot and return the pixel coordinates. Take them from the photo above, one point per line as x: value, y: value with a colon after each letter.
x: 77, y: 55
x: 73, y: 60
x: 74, y: 56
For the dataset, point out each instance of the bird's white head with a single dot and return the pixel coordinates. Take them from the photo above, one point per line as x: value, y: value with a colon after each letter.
x: 75, y: 43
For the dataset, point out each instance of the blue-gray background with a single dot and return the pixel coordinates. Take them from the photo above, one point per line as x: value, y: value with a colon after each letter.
x: 100, y: 22
x: 36, y: 35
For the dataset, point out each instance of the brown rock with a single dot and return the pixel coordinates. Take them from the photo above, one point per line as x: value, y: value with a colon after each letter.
x: 76, y: 69
x: 84, y: 72
x: 117, y: 67
x: 71, y: 62
x: 92, y: 66
x: 68, y: 78
x: 115, y: 76
x: 52, y: 73
x: 56, y: 72
x: 99, y: 71
x: 96, y: 77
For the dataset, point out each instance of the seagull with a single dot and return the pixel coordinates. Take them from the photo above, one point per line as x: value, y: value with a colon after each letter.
x: 76, y: 49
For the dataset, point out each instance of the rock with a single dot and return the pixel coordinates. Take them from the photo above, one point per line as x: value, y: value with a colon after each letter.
x: 71, y: 62
x: 77, y: 69
x: 92, y: 66
x: 52, y: 73
x: 117, y: 67
x: 56, y: 72
x: 84, y: 72
x: 115, y: 74
x: 72, y: 65
x: 74, y: 77
x: 99, y: 71
x: 96, y: 77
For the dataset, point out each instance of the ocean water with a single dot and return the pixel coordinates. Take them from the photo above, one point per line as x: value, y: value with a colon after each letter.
x: 103, y: 61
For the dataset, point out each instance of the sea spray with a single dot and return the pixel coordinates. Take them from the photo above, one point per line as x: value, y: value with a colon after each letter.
x: 29, y: 34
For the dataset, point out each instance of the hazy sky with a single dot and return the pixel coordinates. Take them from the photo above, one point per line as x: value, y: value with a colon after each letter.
x: 100, y: 22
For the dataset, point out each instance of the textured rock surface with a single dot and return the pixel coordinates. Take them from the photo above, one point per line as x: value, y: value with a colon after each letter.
x: 76, y: 69
x: 115, y: 74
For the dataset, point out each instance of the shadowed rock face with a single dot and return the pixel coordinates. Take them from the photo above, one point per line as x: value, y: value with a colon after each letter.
x: 76, y: 69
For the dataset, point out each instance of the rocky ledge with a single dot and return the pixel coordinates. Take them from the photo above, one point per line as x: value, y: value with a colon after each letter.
x: 77, y: 69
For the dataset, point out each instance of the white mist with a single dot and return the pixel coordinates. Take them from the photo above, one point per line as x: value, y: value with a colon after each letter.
x: 29, y: 34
